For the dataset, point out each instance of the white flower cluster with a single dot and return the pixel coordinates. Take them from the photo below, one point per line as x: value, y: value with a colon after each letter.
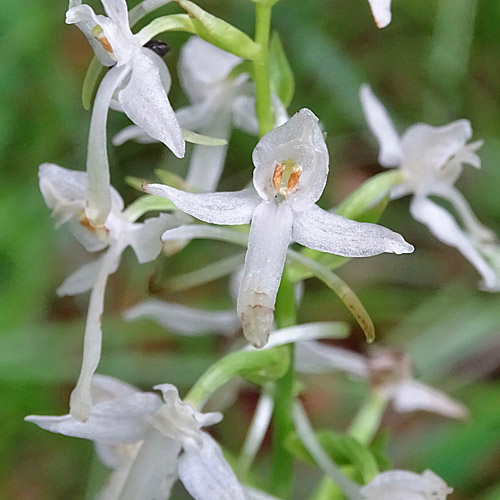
x: 151, y: 441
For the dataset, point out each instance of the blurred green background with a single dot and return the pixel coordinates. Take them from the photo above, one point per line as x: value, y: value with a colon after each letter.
x: 437, y: 61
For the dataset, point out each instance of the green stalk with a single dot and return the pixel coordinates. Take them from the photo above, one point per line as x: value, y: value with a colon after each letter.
x: 282, y: 460
x: 367, y: 422
x: 261, y: 68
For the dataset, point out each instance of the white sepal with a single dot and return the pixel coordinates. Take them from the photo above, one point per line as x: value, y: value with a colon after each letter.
x: 206, y: 474
x: 217, y: 208
x: 316, y: 228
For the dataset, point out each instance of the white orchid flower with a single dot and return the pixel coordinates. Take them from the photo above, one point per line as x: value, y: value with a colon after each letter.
x: 291, y: 167
x: 64, y: 192
x: 388, y: 372
x: 141, y: 81
x: 381, y: 10
x: 151, y: 442
x: 405, y: 485
x: 431, y: 160
x: 219, y: 102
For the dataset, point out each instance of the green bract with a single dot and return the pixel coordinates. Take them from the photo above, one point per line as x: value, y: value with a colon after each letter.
x: 219, y: 32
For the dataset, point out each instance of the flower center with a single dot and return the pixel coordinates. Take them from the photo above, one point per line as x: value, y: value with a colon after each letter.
x: 286, y: 177
x: 100, y: 231
x: 98, y: 33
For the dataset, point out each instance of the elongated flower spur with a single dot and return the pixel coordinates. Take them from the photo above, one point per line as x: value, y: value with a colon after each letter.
x: 291, y: 168
x: 431, y: 160
x: 137, y: 84
x: 64, y: 193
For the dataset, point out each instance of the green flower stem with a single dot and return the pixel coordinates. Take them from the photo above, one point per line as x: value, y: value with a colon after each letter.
x: 367, y: 421
x: 256, y: 366
x: 282, y: 460
x: 261, y: 68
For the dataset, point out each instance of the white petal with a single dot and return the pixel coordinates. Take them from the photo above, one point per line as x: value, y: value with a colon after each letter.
x: 444, y: 228
x: 132, y: 133
x: 412, y: 395
x: 82, y: 280
x: 382, y: 127
x: 81, y: 399
x: 426, y: 149
x: 185, y: 320
x: 314, y: 357
x: 193, y: 231
x: 153, y: 469
x: 207, y: 162
x: 300, y: 139
x: 86, y: 20
x: 473, y: 225
x: 405, y: 485
x: 116, y: 10
x: 179, y: 420
x: 105, y: 388
x: 316, y: 228
x: 231, y: 208
x: 63, y: 191
x: 244, y: 115
x: 381, y: 10
x: 98, y: 189
x: 307, y: 332
x: 144, y: 100
x: 268, y: 242
x: 145, y: 237
x: 202, y: 66
x: 93, y: 240
x: 116, y: 422
x: 205, y: 473
x: 198, y: 115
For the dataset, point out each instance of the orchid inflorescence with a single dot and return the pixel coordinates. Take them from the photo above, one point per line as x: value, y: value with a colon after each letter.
x: 150, y: 441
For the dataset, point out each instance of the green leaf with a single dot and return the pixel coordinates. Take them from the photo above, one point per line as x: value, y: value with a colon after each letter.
x: 342, y: 449
x: 219, y: 32
x: 93, y: 76
x: 282, y: 79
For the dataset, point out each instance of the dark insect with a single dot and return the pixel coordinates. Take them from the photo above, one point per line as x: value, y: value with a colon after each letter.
x: 158, y: 47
